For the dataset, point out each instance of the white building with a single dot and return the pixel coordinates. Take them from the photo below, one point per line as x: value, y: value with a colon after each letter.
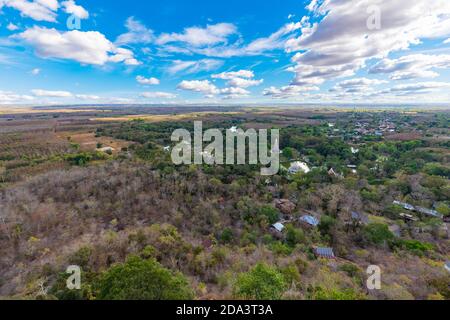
x: 299, y: 166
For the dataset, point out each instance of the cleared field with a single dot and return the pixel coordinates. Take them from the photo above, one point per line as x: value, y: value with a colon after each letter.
x: 88, y: 141
x: 165, y: 117
x: 4, y: 110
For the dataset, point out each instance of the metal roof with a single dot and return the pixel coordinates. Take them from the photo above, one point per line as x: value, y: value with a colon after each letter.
x: 310, y: 220
x: 278, y: 226
x: 325, y: 252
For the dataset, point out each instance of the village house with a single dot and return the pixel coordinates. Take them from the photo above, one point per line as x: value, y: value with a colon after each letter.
x: 427, y: 212
x: 408, y: 217
x: 405, y: 206
x: 309, y: 221
x: 299, y: 166
x: 324, y: 253
x: 277, y: 230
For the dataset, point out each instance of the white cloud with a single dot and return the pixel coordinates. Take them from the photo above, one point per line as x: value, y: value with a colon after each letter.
x: 89, y: 47
x: 147, y: 81
x: 234, y: 74
x: 39, y: 10
x: 447, y: 41
x: 357, y: 85
x: 341, y: 42
x: 189, y: 67
x: 71, y: 7
x: 244, y: 83
x: 35, y: 71
x: 275, y: 41
x: 240, y: 79
x: 7, y: 97
x: 12, y: 27
x: 259, y: 46
x: 287, y: 91
x: 124, y: 55
x: 197, y: 37
x: 51, y: 4
x: 87, y: 97
x: 201, y: 86
x: 418, y: 88
x: 137, y: 33
x: 412, y: 66
x: 62, y: 94
x: 51, y: 94
x: 158, y: 95
x: 234, y: 92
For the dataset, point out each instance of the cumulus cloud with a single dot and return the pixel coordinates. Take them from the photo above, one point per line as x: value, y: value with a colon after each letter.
x: 287, y: 91
x: 87, y: 97
x: 234, y: 92
x: 244, y: 83
x: 234, y: 74
x: 137, y: 33
x: 71, y: 7
x: 189, y: 67
x: 236, y: 84
x: 201, y: 86
x: 418, y: 88
x: 39, y: 10
x: 89, y: 47
x: 7, y: 97
x: 147, y: 81
x: 45, y: 10
x: 158, y: 95
x: 340, y: 43
x: 51, y: 94
x: 197, y: 37
x: 357, y: 85
x: 12, y: 27
x: 62, y: 95
x: 239, y: 79
x: 412, y: 66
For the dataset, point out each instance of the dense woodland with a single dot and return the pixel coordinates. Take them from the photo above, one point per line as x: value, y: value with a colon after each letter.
x: 142, y: 228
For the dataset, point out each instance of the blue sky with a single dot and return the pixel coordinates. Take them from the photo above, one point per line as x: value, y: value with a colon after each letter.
x: 235, y: 51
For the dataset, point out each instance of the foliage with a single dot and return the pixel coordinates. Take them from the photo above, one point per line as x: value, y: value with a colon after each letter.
x: 377, y: 233
x: 140, y: 279
x: 271, y: 213
x: 261, y: 283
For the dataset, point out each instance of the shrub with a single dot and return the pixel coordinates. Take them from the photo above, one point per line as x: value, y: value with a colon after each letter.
x: 280, y: 248
x: 415, y: 246
x: 322, y: 293
x: 140, y: 279
x: 377, y: 233
x: 294, y: 236
x: 326, y: 225
x: 261, y: 283
x: 351, y: 270
x: 226, y: 236
x: 271, y: 213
